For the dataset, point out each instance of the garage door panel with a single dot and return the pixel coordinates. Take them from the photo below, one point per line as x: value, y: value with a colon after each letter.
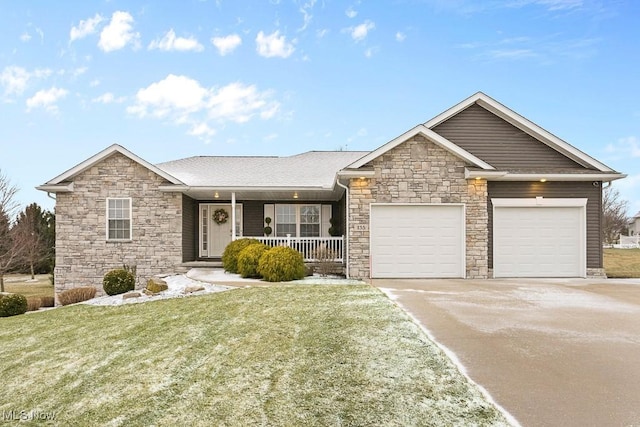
x: 417, y: 241
x: 538, y: 241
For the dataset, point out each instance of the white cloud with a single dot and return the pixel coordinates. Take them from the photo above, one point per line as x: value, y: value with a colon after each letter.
x: 202, y: 130
x: 400, y: 36
x: 46, y: 99
x: 551, y: 5
x: 306, y: 14
x: 108, y: 98
x: 118, y: 33
x: 360, y: 32
x: 25, y: 37
x: 85, y: 27
x: 94, y: 83
x: 170, y: 42
x: 625, y: 147
x: 370, y: 52
x: 273, y: 45
x: 351, y: 13
x: 226, y: 44
x: 184, y: 101
x: 15, y: 79
x: 321, y: 33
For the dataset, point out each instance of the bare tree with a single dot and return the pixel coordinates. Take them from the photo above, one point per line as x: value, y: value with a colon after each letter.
x: 10, y: 247
x: 614, y: 215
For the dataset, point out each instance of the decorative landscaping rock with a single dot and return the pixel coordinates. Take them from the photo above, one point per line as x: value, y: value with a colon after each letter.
x: 155, y: 285
x: 192, y: 289
x: 129, y: 295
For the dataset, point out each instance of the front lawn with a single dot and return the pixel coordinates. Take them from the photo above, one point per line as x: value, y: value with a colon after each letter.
x: 22, y: 284
x: 283, y: 355
x: 622, y: 263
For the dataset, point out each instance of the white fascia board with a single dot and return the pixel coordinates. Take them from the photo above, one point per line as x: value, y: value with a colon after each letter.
x: 431, y: 136
x: 356, y: 173
x: 489, y: 175
x: 555, y: 177
x: 521, y: 123
x: 97, y: 158
x: 56, y: 188
x: 181, y: 188
x: 539, y: 202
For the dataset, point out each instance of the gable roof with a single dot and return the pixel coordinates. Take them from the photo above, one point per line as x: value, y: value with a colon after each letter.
x: 521, y: 123
x: 431, y: 136
x: 59, y: 183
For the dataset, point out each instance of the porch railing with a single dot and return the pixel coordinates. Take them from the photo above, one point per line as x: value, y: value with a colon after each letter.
x: 311, y: 248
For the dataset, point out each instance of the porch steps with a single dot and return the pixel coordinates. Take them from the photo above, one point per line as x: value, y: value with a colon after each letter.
x: 186, y: 266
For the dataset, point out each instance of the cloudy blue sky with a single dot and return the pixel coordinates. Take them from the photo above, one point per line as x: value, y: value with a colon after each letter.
x: 171, y: 79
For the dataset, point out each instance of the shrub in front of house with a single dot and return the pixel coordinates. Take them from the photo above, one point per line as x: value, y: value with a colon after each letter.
x: 33, y: 304
x: 231, y: 252
x: 281, y: 264
x: 12, y: 305
x: 249, y: 258
x: 118, y: 282
x: 75, y: 295
x: 47, y: 301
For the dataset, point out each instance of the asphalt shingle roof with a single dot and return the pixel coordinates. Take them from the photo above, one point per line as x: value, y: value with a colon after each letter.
x: 310, y: 169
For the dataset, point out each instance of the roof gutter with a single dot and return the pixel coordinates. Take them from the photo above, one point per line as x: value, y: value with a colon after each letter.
x: 508, y: 176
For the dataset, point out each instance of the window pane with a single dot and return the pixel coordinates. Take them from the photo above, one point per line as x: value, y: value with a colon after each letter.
x: 118, y: 219
x: 285, y: 220
x: 309, y: 230
x: 309, y: 215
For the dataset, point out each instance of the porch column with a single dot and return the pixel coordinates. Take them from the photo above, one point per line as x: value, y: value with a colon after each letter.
x: 233, y: 216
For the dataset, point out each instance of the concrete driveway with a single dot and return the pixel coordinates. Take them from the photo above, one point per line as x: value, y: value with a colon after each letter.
x: 552, y: 352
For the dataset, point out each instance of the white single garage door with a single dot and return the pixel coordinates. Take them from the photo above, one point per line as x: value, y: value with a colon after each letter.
x: 539, y: 241
x: 417, y: 241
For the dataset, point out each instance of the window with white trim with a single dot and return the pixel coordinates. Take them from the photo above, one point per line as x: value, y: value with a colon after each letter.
x: 297, y: 220
x: 119, y: 219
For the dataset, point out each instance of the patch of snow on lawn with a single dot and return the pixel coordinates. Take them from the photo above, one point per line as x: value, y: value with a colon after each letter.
x: 177, y: 285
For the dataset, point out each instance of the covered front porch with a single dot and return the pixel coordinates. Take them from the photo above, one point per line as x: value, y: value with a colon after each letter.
x: 310, y: 221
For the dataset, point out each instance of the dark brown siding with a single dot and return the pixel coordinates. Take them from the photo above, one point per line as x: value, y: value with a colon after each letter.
x: 253, y: 218
x: 189, y: 228
x: 593, y: 193
x: 499, y: 143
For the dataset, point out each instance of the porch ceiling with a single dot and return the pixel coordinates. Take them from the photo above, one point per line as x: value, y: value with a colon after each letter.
x: 305, y: 194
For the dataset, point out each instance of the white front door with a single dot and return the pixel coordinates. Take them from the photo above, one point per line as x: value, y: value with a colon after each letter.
x: 214, y: 237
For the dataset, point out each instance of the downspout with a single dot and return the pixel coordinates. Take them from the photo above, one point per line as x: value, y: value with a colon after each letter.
x: 346, y: 241
x: 50, y: 196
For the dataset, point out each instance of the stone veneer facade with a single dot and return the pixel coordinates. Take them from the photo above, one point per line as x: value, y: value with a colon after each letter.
x: 83, y: 254
x: 419, y: 171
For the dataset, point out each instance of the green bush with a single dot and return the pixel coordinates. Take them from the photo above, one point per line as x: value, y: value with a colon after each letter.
x: 249, y: 258
x: 231, y: 252
x: 12, y: 304
x: 281, y: 264
x: 118, y: 282
x: 75, y: 295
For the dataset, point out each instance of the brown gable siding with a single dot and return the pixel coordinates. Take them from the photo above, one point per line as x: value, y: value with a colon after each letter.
x: 593, y: 193
x: 499, y: 143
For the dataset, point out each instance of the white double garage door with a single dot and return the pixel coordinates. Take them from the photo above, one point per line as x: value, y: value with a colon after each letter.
x: 531, y: 238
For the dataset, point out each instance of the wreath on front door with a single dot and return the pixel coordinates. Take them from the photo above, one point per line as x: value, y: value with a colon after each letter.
x: 220, y: 216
